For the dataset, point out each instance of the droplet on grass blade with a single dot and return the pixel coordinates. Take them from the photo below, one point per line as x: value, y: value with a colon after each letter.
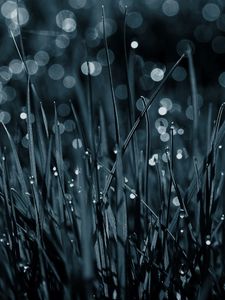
x: 23, y: 116
x: 94, y: 68
x: 77, y: 143
x: 132, y: 196
x: 176, y: 201
x: 179, y: 155
x: 32, y: 66
x: 208, y: 240
x: 134, y: 44
x: 23, y: 16
x: 182, y: 213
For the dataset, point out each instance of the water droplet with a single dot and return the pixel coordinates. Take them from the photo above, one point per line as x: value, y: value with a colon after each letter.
x: 31, y: 179
x: 208, y: 240
x: 115, y: 151
x: 176, y: 201
x: 56, y: 173
x: 132, y: 195
x: 77, y: 171
x: 182, y: 270
x: 220, y: 147
x: 182, y: 213
x: 222, y: 217
x: 181, y: 230
x: 162, y: 110
x: 134, y: 44
x: 179, y: 156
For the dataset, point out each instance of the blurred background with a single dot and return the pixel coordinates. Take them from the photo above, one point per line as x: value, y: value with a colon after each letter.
x: 60, y: 36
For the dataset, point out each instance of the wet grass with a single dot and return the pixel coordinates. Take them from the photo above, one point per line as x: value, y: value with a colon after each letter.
x: 105, y: 231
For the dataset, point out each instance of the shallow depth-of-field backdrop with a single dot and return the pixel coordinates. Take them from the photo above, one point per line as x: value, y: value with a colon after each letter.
x: 111, y: 149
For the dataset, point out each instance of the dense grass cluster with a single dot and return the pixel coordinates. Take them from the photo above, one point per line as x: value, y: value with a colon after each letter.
x: 104, y: 226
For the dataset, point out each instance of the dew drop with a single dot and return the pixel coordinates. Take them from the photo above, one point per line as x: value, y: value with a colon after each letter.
x: 132, y: 195
x: 31, y: 179
x: 182, y: 214
x: 208, y: 240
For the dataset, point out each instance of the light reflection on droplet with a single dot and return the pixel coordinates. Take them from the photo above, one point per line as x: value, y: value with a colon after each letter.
x: 162, y: 111
x: 176, y: 201
x: 132, y: 196
x: 180, y: 131
x: 161, y: 122
x: 23, y: 16
x: 7, y: 8
x: 77, y: 4
x: 56, y: 71
x: 5, y: 117
x: 77, y: 143
x: 23, y: 116
x: 65, y: 20
x: 152, y: 161
x: 32, y: 66
x: 170, y: 8
x: 94, y: 68
x: 165, y: 137
x: 157, y: 74
x: 69, y: 82
x: 60, y: 126
x: 208, y: 240
x: 5, y: 74
x: 110, y: 27
x: 182, y: 214
x: 16, y: 66
x: 134, y: 44
x: 167, y: 103
x: 211, y: 12
x: 189, y: 112
x: 179, y: 156
x: 41, y: 57
x: 69, y: 25
x: 134, y: 20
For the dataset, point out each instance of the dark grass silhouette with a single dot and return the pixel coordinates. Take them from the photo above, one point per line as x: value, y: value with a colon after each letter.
x: 109, y: 230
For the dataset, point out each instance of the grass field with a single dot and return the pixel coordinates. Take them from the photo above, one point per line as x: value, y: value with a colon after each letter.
x: 106, y: 196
